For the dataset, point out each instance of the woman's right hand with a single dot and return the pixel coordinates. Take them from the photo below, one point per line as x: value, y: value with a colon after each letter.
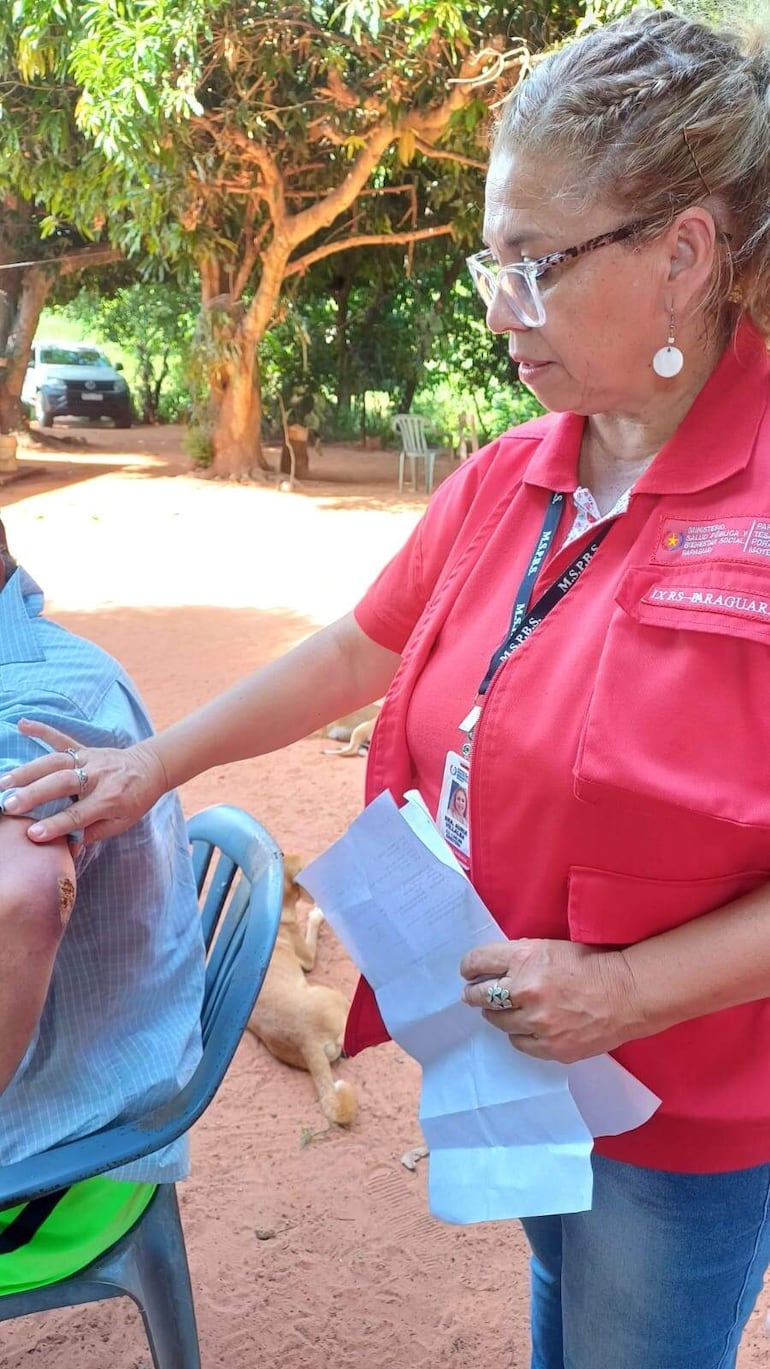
x: 113, y: 787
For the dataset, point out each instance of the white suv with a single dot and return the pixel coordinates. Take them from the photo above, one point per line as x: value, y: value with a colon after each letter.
x: 76, y: 380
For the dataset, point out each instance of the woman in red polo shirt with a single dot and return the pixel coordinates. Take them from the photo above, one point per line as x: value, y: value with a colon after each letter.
x: 578, y: 633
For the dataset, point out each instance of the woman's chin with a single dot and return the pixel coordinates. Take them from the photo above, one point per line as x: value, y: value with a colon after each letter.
x: 542, y: 382
x: 552, y: 388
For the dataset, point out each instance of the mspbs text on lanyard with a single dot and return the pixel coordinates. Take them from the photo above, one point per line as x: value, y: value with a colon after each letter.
x: 524, y: 620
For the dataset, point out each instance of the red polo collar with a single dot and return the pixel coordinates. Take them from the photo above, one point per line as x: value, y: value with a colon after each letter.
x: 715, y: 440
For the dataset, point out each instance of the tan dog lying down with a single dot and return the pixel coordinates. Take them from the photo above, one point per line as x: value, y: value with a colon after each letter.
x: 355, y: 729
x: 300, y: 1023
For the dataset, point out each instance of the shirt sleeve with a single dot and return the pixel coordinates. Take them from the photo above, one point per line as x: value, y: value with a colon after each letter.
x: 391, y: 607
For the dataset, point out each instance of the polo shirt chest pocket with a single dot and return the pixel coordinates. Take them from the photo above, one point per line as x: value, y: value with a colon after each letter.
x: 680, y: 708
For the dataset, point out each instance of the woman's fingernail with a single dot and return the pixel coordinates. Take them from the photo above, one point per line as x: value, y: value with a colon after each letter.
x: 11, y: 803
x: 36, y: 830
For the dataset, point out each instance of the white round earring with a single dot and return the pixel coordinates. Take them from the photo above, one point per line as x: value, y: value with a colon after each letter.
x: 668, y: 361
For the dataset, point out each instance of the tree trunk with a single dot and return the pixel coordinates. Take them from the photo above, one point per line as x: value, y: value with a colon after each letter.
x: 23, y: 313
x: 11, y: 413
x: 407, y: 395
x: 158, y: 386
x: 236, y: 436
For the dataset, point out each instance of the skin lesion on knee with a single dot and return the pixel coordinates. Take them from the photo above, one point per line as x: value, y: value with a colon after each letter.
x: 66, y: 890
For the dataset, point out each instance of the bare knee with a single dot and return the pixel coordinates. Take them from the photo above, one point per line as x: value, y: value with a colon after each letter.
x: 35, y: 919
x: 36, y: 902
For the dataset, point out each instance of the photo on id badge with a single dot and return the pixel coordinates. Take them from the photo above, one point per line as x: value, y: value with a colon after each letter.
x: 452, y: 816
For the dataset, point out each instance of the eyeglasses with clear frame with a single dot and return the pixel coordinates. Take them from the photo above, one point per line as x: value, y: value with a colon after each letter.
x: 519, y: 281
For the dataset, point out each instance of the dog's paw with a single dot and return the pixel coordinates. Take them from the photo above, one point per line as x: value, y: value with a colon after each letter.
x: 410, y: 1157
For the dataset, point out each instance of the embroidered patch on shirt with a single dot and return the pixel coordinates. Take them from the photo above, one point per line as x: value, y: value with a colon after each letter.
x: 710, y: 599
x: 727, y: 539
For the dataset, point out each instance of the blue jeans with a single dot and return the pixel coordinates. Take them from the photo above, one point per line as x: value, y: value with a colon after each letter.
x: 662, y: 1273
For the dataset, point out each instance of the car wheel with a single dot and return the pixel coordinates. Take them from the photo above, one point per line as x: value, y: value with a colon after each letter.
x: 122, y: 420
x: 43, y: 413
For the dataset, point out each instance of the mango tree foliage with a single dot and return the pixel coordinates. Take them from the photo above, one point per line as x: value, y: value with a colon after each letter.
x: 60, y: 183
x: 256, y: 140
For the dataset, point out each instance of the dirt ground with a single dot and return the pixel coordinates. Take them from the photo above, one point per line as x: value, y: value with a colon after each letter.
x: 307, y: 1246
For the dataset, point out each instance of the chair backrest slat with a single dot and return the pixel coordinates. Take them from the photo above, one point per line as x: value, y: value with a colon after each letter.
x: 200, y: 855
x: 411, y: 430
x: 218, y: 983
x: 215, y: 896
x: 240, y: 893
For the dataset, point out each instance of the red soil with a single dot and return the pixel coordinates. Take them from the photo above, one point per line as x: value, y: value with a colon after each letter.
x: 307, y: 1247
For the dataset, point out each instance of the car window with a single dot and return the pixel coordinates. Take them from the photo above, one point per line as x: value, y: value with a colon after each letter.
x: 71, y: 356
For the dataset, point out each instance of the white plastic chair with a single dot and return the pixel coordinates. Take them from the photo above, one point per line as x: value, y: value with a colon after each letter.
x: 414, y: 446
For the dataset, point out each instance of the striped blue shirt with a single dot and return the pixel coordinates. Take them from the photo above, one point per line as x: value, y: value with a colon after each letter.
x: 120, y: 1029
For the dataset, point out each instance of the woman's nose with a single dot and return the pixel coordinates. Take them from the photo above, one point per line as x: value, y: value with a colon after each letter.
x: 500, y: 316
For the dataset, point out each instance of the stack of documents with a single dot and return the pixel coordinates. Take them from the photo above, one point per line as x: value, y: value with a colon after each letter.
x: 509, y: 1136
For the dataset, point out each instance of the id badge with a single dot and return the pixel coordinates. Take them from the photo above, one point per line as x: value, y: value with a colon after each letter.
x: 452, y: 818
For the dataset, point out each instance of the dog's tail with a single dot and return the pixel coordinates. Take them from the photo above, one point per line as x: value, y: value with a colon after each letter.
x: 336, y: 1096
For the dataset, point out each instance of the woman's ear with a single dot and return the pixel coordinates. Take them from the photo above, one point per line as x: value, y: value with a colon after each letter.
x: 692, y: 246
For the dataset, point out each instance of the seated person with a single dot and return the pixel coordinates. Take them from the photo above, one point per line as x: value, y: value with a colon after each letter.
x: 101, y: 973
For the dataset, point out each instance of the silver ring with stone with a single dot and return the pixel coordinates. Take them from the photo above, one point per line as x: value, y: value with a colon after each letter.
x: 82, y: 778
x: 498, y: 996
x: 70, y: 751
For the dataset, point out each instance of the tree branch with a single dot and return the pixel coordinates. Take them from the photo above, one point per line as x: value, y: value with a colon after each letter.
x: 322, y: 214
x: 271, y: 176
x: 87, y: 256
x: 69, y: 262
x: 365, y: 240
x: 426, y: 124
x: 428, y: 150
x: 249, y: 261
x: 291, y: 230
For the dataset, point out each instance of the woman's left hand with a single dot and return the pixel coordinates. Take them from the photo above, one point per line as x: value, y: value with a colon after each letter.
x: 567, y: 1001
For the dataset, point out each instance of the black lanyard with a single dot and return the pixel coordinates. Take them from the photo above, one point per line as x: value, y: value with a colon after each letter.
x: 521, y: 603
x: 524, y: 620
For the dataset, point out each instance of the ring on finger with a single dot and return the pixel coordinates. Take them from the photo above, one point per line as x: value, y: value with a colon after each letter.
x: 81, y: 775
x: 70, y: 751
x: 498, y: 996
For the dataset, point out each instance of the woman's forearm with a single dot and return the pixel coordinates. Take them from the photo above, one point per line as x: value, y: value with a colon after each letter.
x: 335, y: 671
x: 716, y: 961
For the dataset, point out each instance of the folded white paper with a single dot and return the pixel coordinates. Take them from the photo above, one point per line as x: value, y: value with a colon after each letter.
x: 509, y: 1136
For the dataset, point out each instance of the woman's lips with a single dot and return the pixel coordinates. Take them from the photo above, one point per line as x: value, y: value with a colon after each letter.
x: 530, y: 370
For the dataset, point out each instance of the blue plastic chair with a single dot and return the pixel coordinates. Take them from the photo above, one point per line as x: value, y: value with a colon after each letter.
x: 414, y: 447
x: 239, y: 876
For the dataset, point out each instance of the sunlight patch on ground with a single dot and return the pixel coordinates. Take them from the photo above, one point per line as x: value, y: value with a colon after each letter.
x: 164, y: 542
x: 60, y: 461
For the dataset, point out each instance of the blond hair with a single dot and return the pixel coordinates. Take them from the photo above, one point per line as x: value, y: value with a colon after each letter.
x: 656, y: 112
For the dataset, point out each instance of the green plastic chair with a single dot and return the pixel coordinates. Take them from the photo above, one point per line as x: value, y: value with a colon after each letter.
x: 239, y: 877
x: 414, y: 447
